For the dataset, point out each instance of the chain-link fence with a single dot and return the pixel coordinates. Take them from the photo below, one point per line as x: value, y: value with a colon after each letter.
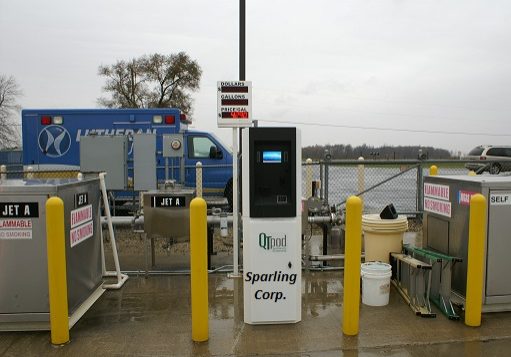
x: 19, y: 173
x: 378, y: 182
x: 217, y: 185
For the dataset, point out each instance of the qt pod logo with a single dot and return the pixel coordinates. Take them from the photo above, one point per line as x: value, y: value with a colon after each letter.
x: 275, y: 244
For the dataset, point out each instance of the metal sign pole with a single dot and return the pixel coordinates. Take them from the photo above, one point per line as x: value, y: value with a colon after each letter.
x: 235, y: 184
x: 235, y: 201
x: 234, y: 110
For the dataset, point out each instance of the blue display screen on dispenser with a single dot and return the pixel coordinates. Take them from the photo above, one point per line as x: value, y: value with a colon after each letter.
x: 272, y: 157
x: 272, y: 169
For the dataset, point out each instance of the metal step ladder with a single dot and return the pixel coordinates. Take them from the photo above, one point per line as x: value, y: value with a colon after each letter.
x: 442, y: 265
x: 412, y: 278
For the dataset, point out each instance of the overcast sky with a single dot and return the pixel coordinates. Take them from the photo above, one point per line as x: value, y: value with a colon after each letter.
x: 421, y: 68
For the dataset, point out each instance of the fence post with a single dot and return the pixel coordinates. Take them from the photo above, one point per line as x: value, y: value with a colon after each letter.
x: 476, y: 235
x: 308, y: 178
x: 322, y: 187
x: 327, y: 168
x: 198, y: 179
x: 361, y: 175
x: 351, y: 303
x: 199, y: 269
x: 30, y: 172
x: 57, y: 276
x: 420, y: 183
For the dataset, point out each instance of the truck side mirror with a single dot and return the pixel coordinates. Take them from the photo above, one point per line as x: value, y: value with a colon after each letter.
x: 214, y: 153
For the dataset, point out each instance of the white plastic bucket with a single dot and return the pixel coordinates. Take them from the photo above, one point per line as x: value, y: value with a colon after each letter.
x: 375, y: 283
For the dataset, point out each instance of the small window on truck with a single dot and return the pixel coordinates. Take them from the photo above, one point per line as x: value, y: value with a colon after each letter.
x: 199, y: 147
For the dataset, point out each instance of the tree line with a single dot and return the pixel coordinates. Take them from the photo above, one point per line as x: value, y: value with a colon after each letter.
x: 149, y: 81
x: 168, y: 80
x: 348, y: 152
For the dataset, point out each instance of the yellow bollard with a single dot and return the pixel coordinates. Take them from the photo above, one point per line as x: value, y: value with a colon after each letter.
x: 351, y: 304
x: 199, y: 269
x: 433, y: 170
x: 476, y: 238
x: 57, y: 276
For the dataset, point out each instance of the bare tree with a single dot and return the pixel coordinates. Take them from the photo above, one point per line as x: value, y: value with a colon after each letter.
x: 153, y: 81
x: 9, y: 93
x: 125, y: 83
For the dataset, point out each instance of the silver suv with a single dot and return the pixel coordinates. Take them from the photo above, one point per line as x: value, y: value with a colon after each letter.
x: 493, y: 159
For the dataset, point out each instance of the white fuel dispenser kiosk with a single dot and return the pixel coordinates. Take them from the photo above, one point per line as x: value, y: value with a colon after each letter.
x: 271, y: 212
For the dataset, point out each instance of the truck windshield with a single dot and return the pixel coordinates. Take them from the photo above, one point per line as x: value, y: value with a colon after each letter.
x: 199, y: 147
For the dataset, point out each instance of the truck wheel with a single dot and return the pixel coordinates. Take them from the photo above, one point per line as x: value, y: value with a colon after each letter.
x: 495, y: 169
x: 228, y: 194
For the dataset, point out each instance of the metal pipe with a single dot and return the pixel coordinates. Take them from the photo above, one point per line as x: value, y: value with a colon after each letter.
x: 325, y: 242
x: 325, y: 268
x: 326, y: 183
x: 308, y: 179
x: 198, y: 179
x: 317, y: 258
x: 217, y: 219
x: 166, y: 168
x: 121, y: 278
x: 3, y: 172
x: 222, y: 269
x: 420, y: 188
x: 322, y: 219
x: 235, y: 202
x: 242, y: 39
x: 130, y: 221
x: 321, y: 167
x: 361, y: 176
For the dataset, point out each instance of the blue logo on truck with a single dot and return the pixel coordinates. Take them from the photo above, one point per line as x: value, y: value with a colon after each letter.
x: 54, y: 141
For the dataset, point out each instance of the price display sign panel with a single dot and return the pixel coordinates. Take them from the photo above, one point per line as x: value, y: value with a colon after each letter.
x: 234, y: 104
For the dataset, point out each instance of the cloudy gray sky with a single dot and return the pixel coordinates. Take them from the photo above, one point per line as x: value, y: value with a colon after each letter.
x: 422, y: 69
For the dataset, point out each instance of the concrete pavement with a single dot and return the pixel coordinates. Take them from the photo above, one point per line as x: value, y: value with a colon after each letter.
x: 151, y: 317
